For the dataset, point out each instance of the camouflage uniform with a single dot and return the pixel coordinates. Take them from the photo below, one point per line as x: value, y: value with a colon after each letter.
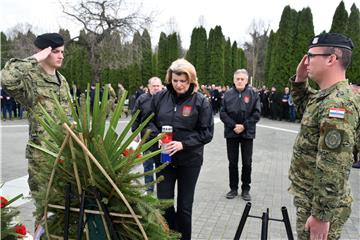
x: 322, y: 155
x: 112, y: 97
x: 30, y: 85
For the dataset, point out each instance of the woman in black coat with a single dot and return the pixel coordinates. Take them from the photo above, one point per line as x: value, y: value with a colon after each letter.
x: 189, y: 113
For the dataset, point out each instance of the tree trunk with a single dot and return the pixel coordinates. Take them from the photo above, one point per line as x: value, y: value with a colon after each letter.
x: 95, y: 65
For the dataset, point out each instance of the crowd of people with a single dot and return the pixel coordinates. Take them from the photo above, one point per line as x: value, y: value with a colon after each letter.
x: 323, y: 151
x: 10, y: 108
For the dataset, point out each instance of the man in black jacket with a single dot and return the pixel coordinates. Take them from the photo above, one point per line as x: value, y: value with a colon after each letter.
x: 240, y: 112
x: 143, y: 103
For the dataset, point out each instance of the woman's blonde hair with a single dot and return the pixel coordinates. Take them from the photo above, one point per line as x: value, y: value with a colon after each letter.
x: 182, y: 66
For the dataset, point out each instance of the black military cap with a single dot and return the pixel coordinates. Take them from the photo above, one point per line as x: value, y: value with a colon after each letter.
x: 332, y: 40
x: 52, y: 40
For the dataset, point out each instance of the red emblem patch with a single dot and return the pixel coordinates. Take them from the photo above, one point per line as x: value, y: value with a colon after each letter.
x: 186, y: 111
x: 246, y: 99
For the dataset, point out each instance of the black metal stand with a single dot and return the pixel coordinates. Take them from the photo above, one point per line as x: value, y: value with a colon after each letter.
x: 264, y: 222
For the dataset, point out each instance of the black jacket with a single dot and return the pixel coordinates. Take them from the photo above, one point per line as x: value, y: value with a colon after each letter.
x: 142, y: 103
x: 240, y: 108
x: 190, y: 115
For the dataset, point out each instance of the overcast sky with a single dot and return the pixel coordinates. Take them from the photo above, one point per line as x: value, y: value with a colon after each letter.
x: 234, y: 16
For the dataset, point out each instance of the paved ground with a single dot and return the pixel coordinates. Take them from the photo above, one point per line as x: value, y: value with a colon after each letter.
x: 214, y: 216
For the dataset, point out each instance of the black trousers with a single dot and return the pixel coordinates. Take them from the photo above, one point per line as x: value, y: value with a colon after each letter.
x: 232, y: 145
x: 186, y: 177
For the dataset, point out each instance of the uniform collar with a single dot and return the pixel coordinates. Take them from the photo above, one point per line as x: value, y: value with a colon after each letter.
x: 327, y: 91
x: 50, y: 78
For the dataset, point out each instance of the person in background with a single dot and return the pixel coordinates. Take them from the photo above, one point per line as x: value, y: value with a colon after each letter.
x: 7, y: 105
x: 112, y: 97
x: 19, y: 110
x: 241, y: 110
x: 215, y: 98
x: 285, y: 104
x: 264, y: 99
x: 292, y: 109
x: 274, y: 104
x: 143, y: 104
x: 323, y: 150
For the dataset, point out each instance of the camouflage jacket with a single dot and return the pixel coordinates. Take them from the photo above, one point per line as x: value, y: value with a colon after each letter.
x: 322, y: 154
x: 30, y: 85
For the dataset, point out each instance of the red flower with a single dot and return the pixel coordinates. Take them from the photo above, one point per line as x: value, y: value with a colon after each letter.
x: 126, y: 152
x: 4, y: 201
x: 20, y: 229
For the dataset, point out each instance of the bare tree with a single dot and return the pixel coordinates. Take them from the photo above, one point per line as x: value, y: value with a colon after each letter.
x: 255, y: 50
x: 105, y: 20
x: 21, y: 41
x: 202, y: 21
x: 172, y: 25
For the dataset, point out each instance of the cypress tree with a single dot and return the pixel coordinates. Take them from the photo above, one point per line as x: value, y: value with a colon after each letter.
x: 181, y: 51
x: 201, y: 62
x: 104, y: 76
x: 340, y: 19
x: 173, y: 48
x: 5, y: 49
x: 242, y: 58
x: 192, y: 53
x: 304, y: 33
x: 136, y: 48
x: 228, y: 73
x: 216, y: 56
x: 163, y: 56
x: 353, y: 31
x: 146, y: 63
x: 126, y: 79
x: 136, y: 77
x: 65, y: 33
x: 85, y: 77
x: 76, y: 66
x: 235, y: 57
x: 154, y: 64
x: 293, y: 61
x: 282, y: 66
x: 197, y: 53
x: 269, y: 58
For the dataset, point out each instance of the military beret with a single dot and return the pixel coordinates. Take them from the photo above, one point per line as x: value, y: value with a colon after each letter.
x: 332, y: 40
x: 52, y: 40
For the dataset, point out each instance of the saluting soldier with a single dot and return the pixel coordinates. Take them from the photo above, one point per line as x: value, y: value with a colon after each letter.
x: 322, y: 154
x: 31, y: 81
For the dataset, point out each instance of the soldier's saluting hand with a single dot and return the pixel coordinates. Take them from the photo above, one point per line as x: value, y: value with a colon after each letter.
x: 43, y: 54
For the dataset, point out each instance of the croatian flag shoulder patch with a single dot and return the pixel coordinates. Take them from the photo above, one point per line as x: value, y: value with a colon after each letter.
x: 337, y: 112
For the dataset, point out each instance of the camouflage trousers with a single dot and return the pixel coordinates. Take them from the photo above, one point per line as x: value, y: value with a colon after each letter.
x: 303, y: 211
x: 35, y: 160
